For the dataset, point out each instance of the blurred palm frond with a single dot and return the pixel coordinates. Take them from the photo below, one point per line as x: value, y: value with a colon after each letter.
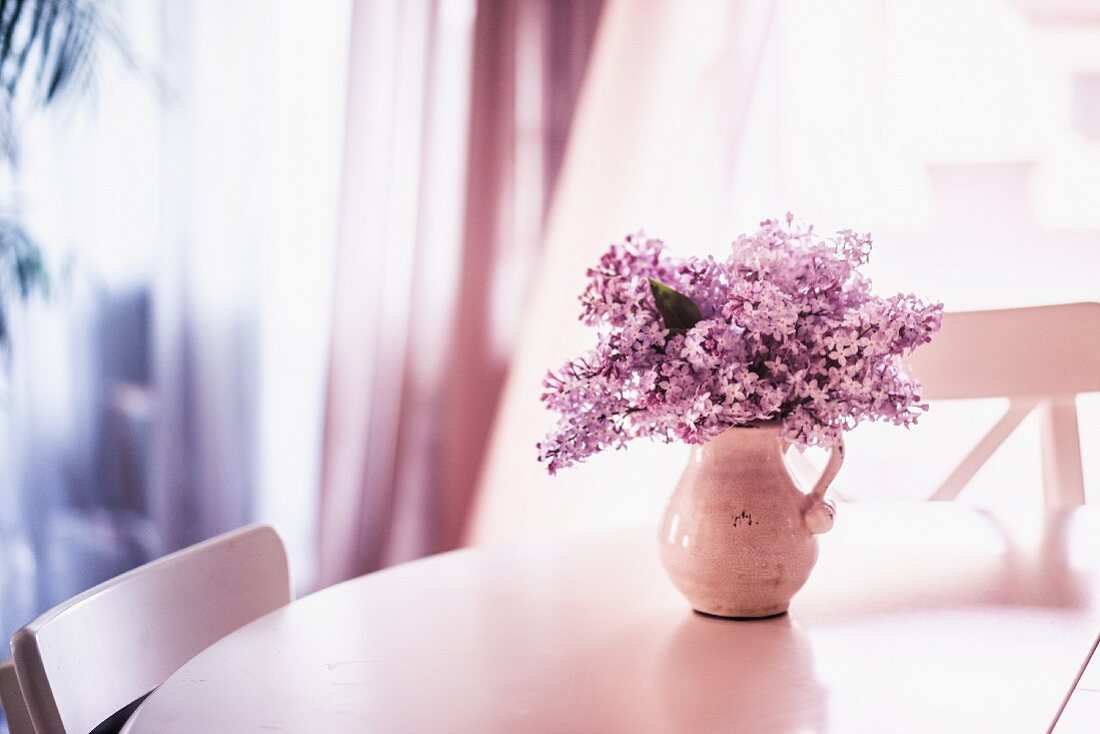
x: 47, y: 48
x: 57, y: 38
x: 21, y: 268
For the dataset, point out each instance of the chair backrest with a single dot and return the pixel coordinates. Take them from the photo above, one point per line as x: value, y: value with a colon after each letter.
x: 84, y: 660
x: 1039, y: 358
x: 1036, y: 352
x: 11, y: 696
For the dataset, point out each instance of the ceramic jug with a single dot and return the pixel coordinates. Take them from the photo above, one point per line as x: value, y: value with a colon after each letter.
x: 738, y: 536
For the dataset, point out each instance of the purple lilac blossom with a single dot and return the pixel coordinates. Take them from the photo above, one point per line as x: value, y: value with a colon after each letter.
x: 790, y: 331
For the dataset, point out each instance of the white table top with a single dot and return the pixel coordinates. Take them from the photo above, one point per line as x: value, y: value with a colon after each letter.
x: 918, y: 618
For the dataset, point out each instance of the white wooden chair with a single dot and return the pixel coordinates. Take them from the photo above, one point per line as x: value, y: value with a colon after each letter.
x: 1040, y: 358
x: 11, y: 696
x: 84, y: 661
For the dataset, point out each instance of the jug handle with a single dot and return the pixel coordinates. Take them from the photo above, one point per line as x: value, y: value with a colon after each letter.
x: 820, y: 512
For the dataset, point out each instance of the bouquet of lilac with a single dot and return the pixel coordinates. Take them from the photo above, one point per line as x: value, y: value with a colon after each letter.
x: 786, y: 329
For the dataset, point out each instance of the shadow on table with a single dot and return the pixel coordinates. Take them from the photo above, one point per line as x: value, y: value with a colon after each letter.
x: 1040, y: 574
x: 720, y: 675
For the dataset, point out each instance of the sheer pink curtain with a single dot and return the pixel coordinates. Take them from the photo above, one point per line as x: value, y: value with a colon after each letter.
x: 456, y: 122
x: 529, y: 59
x: 657, y: 131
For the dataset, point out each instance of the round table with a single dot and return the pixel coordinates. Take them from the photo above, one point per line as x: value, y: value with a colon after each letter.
x: 924, y: 618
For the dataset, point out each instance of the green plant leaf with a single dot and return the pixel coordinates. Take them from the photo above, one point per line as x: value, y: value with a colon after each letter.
x: 679, y: 312
x: 20, y: 261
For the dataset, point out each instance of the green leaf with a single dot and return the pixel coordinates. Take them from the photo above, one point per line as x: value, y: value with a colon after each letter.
x: 30, y: 272
x: 679, y: 312
x: 20, y: 257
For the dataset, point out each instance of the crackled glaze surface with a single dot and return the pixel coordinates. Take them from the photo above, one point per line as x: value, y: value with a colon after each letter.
x: 737, y: 537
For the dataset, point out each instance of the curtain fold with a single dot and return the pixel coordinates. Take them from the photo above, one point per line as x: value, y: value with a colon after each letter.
x: 373, y: 312
x: 529, y: 61
x: 453, y: 141
x: 249, y: 146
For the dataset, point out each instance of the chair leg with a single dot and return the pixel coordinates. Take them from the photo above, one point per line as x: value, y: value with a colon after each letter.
x: 991, y: 441
x: 1063, y: 477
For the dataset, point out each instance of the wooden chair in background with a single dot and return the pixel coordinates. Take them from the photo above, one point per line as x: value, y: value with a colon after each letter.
x: 1040, y: 359
x: 85, y: 661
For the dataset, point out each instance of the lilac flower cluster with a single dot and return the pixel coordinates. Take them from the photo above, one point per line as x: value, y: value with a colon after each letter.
x: 786, y: 328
